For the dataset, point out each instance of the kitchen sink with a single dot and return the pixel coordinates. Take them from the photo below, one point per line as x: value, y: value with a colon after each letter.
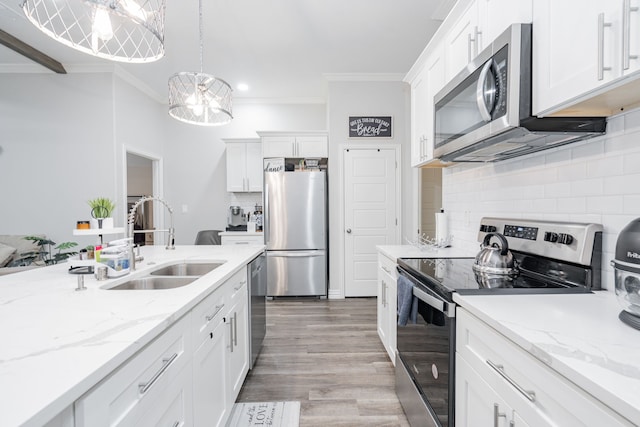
x: 186, y: 269
x: 151, y: 282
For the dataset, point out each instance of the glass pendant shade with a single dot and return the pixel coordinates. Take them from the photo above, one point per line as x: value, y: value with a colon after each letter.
x: 118, y: 30
x: 199, y: 99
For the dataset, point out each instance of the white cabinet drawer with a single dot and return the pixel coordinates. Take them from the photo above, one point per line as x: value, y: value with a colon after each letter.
x: 208, y: 313
x: 531, y: 388
x: 242, y: 240
x: 388, y: 266
x: 173, y: 407
x: 140, y: 383
x: 236, y: 287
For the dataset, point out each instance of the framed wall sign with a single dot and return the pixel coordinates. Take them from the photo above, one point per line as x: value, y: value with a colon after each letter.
x: 370, y: 127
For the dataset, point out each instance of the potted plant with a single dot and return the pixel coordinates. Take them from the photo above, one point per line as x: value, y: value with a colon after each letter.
x: 45, y: 255
x: 101, y: 210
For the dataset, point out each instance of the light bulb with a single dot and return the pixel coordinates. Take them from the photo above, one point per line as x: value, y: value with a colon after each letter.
x: 194, y: 104
x: 134, y: 9
x: 214, y: 104
x: 102, y: 24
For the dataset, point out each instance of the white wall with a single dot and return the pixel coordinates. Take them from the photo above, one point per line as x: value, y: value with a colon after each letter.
x: 365, y: 98
x: 63, y: 140
x: 591, y: 181
x: 195, y: 161
x: 57, y: 151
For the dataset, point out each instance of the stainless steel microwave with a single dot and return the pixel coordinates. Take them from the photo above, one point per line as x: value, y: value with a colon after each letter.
x: 484, y: 113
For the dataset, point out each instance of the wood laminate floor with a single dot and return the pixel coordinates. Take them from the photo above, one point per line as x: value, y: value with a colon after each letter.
x: 327, y: 355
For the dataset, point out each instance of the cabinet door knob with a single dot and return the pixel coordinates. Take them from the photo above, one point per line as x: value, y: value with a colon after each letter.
x: 348, y: 231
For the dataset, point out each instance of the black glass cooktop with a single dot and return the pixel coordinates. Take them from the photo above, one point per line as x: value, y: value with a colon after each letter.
x: 447, y: 275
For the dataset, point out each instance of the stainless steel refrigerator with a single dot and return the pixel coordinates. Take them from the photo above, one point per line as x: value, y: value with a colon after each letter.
x: 295, y: 232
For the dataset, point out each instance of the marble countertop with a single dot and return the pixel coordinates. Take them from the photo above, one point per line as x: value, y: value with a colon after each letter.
x: 408, y: 251
x: 579, y: 336
x: 56, y: 343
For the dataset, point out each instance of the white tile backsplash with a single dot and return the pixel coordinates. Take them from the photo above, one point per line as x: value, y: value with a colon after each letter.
x: 597, y: 180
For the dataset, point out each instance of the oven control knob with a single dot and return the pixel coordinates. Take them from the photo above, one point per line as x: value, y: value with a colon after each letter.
x: 550, y: 236
x: 565, y: 239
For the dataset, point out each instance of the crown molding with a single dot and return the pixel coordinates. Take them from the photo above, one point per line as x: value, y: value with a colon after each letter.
x: 364, y: 77
x: 271, y: 101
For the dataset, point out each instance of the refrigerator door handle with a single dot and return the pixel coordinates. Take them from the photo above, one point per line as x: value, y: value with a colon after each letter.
x: 267, y: 217
x: 296, y: 254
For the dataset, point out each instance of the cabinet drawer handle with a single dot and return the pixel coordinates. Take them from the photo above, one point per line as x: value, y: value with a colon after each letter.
x: 144, y: 387
x: 211, y: 316
x: 531, y: 395
x: 176, y: 424
x: 242, y: 243
x: 386, y: 269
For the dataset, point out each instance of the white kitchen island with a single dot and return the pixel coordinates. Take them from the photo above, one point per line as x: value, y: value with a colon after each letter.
x: 58, y: 343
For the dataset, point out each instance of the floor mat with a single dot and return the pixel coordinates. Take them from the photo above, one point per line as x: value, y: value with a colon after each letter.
x: 265, y: 414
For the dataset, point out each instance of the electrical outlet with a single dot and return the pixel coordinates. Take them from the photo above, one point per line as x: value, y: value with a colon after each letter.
x: 185, y: 208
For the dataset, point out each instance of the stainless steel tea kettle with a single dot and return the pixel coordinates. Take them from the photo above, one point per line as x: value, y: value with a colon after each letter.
x: 494, y: 263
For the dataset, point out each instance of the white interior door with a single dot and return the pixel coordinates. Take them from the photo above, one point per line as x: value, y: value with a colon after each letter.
x: 370, y: 214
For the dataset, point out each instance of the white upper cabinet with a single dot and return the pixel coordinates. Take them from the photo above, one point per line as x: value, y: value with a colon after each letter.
x: 461, y: 42
x: 244, y: 165
x: 495, y: 16
x: 294, y: 144
x: 469, y: 28
x: 478, y: 26
x: 427, y: 83
x: 582, y: 49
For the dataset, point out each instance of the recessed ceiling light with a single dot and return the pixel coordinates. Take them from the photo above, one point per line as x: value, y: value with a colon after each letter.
x: 243, y: 87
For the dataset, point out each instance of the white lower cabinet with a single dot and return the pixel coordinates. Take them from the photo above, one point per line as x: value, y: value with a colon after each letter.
x: 210, y: 406
x: 387, y: 304
x: 188, y: 376
x: 477, y: 403
x: 173, y: 408
x: 143, y: 384
x: 491, y: 370
x: 237, y: 336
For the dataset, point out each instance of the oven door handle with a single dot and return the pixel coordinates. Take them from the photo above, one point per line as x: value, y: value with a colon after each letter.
x: 438, y: 304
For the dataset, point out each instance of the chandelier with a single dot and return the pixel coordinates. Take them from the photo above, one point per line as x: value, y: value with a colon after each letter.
x: 118, y: 30
x: 199, y: 98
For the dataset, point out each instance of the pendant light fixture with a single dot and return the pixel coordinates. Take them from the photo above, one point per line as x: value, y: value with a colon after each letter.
x: 118, y: 30
x: 199, y: 98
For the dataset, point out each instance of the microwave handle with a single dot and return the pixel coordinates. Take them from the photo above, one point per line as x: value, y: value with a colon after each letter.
x: 486, y: 104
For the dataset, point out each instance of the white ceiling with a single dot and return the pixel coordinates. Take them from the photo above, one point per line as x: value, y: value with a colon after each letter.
x: 283, y: 49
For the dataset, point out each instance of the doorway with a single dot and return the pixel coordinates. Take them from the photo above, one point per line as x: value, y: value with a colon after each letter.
x: 142, y: 178
x: 371, y: 213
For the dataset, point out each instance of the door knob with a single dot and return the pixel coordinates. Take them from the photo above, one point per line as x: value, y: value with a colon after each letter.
x: 349, y: 230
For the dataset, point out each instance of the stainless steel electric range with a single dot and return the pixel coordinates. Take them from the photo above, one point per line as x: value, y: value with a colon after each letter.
x: 550, y: 257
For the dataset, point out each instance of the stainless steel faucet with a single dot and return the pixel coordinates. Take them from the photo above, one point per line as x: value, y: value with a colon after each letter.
x: 130, y: 231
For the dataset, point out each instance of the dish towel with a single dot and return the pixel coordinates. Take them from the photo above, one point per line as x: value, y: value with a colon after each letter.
x: 407, y: 303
